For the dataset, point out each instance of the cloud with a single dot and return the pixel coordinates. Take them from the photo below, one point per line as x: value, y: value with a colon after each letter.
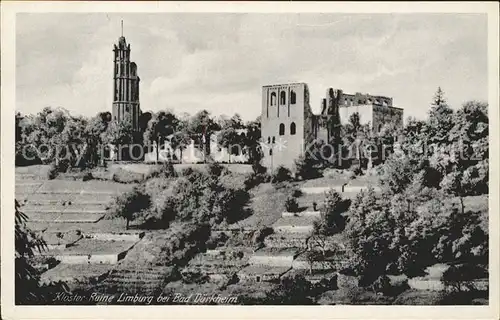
x: 219, y: 62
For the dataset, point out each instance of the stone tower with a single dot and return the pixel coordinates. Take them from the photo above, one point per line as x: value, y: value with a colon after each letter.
x: 287, y: 123
x: 126, y: 105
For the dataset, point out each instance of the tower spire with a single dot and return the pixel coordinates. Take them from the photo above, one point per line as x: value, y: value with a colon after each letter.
x: 122, y: 28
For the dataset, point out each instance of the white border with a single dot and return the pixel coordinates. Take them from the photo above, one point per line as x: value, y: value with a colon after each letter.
x: 9, y: 9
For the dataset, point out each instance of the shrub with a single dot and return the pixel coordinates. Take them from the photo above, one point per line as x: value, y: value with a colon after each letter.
x: 291, y: 204
x: 331, y: 173
x: 87, y: 176
x: 187, y: 171
x: 281, y: 174
x: 296, y: 192
x: 257, y: 168
x: 261, y: 234
x: 257, y: 176
x: 294, y: 290
x: 54, y: 169
x: 125, y: 176
x: 382, y: 284
x: 217, y: 240
x: 52, y: 172
x: 215, y: 169
x: 357, y: 171
x: 305, y: 168
x: 165, y: 171
x: 194, y: 277
x: 459, y: 278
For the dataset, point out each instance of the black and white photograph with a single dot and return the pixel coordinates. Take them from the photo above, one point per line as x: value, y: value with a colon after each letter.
x: 251, y: 158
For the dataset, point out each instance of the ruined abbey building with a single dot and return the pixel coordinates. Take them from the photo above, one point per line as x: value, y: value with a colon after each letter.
x: 288, y: 124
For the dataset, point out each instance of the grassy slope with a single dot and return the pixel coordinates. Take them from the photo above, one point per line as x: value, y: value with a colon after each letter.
x: 267, y: 204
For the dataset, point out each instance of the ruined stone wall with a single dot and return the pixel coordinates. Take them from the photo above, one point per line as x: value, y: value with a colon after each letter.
x: 365, y: 114
x: 362, y: 99
x: 383, y: 115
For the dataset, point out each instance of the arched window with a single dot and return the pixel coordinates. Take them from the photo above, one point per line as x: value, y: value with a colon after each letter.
x: 274, y: 139
x: 268, y: 140
x: 282, y: 129
x: 273, y: 98
x: 379, y: 128
x: 293, y: 97
x: 282, y: 98
x: 293, y: 129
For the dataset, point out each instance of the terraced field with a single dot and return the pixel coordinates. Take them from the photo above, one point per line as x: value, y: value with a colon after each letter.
x: 69, y: 216
x: 99, y: 254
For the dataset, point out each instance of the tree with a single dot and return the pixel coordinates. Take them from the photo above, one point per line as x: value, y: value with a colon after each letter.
x: 305, y: 167
x: 94, y: 131
x: 201, y: 127
x: 291, y: 291
x: 28, y: 289
x: 396, y: 174
x: 291, y: 204
x: 461, y: 183
x: 181, y: 138
x: 281, y: 174
x: 332, y: 220
x: 118, y: 134
x: 73, y: 137
x: 229, y: 137
x: 253, y: 139
x: 440, y: 120
x: 355, y: 135
x: 460, y: 277
x: 131, y: 204
x: 311, y: 257
x: 160, y: 127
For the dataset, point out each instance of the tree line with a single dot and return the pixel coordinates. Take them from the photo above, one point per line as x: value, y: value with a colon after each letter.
x: 54, y: 134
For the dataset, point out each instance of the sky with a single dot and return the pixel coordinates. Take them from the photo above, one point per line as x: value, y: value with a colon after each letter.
x: 219, y: 62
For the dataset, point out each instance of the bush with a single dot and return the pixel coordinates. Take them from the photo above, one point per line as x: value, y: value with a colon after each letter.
x: 291, y: 204
x: 382, y: 284
x: 87, y: 176
x: 294, y: 290
x: 125, y: 176
x: 281, y: 174
x: 52, y: 172
x: 259, y: 175
x: 216, y: 170
x: 458, y: 278
x: 62, y: 166
x: 257, y: 168
x: 305, y: 168
x: 217, y: 240
x: 187, y: 171
x: 331, y: 173
x: 165, y: 171
x: 260, y: 235
x: 194, y: 277
x: 296, y: 192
